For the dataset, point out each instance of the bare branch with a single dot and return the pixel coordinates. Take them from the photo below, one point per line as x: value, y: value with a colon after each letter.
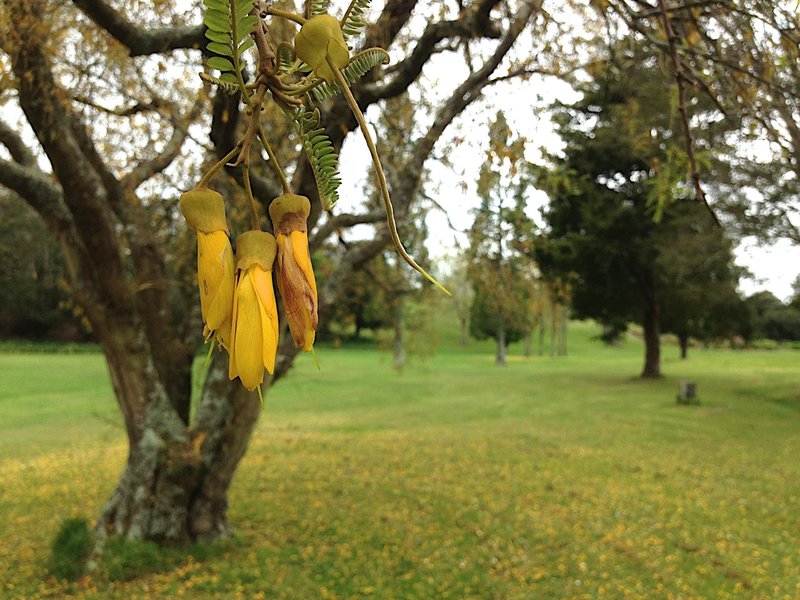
x: 134, y: 109
x: 473, y: 24
x: 336, y: 222
x: 17, y: 148
x: 147, y: 169
x: 443, y: 210
x: 51, y: 120
x: 655, y: 12
x: 141, y: 40
x: 700, y: 195
x: 471, y: 88
x: 38, y: 190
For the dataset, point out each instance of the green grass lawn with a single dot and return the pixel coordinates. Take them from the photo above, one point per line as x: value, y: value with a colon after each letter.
x: 549, y: 478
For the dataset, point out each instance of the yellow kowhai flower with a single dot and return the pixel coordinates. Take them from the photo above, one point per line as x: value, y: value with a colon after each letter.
x: 254, y: 332
x: 296, y: 282
x: 204, y: 210
x: 319, y: 39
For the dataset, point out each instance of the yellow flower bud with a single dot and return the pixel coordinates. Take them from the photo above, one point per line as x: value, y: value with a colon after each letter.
x: 254, y: 332
x: 204, y: 210
x: 318, y: 40
x: 295, y: 274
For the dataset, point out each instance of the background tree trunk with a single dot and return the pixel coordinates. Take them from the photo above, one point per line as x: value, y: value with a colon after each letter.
x: 541, y: 335
x: 500, y: 355
x: 652, y: 342
x: 464, y: 340
x: 398, y: 344
x: 683, y: 342
x: 563, y: 314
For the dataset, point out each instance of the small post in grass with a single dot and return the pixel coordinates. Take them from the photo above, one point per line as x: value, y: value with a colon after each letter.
x: 687, y: 393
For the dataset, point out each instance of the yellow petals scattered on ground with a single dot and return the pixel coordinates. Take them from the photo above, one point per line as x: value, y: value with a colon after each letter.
x: 546, y: 479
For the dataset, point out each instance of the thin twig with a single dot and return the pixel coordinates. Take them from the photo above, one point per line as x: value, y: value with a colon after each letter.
x: 221, y: 163
x: 680, y: 77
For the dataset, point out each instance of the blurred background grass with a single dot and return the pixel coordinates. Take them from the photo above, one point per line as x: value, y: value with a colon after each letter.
x: 550, y: 477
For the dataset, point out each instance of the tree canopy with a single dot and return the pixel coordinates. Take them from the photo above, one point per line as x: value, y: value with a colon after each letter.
x: 618, y: 226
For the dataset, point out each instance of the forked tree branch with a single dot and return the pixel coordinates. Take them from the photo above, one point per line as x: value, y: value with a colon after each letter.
x: 16, y: 146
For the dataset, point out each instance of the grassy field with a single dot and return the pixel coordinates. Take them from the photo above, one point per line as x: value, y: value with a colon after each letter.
x: 549, y: 478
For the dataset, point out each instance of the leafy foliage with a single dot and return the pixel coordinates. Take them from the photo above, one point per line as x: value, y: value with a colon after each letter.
x: 285, y: 58
x: 321, y: 155
x: 358, y: 67
x: 353, y: 21
x: 603, y: 237
x: 229, y: 26
x: 318, y: 7
x: 500, y: 273
x: 227, y: 86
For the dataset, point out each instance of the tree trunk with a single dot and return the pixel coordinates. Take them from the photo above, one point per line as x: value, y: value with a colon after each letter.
x: 528, y: 343
x: 554, y: 316
x: 683, y: 341
x: 562, y: 330
x: 652, y: 342
x: 500, y: 356
x: 464, y: 330
x: 174, y: 487
x: 541, y: 335
x: 398, y: 345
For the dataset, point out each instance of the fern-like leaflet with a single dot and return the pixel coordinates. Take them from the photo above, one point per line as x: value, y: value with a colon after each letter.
x: 227, y: 86
x: 320, y: 154
x: 285, y: 58
x: 228, y: 24
x: 317, y: 7
x: 353, y: 20
x: 358, y: 67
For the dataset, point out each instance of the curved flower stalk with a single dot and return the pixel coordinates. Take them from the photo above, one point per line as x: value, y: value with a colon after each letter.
x: 204, y: 210
x: 296, y: 282
x: 254, y: 331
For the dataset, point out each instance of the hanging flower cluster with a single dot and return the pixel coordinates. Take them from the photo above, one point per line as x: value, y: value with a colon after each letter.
x: 237, y: 298
x: 238, y: 304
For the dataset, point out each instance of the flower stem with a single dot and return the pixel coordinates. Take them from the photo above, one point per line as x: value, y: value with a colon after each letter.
x: 273, y: 161
x: 254, y: 223
x: 382, y: 186
x: 213, y: 170
x: 283, y: 14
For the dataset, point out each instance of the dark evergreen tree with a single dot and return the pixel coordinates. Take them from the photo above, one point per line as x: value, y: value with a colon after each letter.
x: 616, y: 218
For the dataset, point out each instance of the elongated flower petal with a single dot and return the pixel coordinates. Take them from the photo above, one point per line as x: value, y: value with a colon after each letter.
x: 299, y: 298
x: 204, y: 210
x: 247, y: 343
x: 262, y: 282
x: 215, y: 276
x: 254, y: 329
x: 296, y: 281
